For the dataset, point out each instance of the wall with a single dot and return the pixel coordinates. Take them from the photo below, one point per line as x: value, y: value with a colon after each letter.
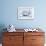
x: 9, y: 13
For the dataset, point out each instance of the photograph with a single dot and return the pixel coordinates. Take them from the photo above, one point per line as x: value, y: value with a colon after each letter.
x: 25, y: 13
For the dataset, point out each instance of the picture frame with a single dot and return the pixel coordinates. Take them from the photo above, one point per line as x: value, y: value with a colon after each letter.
x: 25, y: 13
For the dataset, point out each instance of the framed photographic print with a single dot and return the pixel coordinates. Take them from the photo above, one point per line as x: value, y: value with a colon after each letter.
x: 25, y: 13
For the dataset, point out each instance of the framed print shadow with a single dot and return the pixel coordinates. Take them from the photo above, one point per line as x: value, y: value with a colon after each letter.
x: 25, y: 13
